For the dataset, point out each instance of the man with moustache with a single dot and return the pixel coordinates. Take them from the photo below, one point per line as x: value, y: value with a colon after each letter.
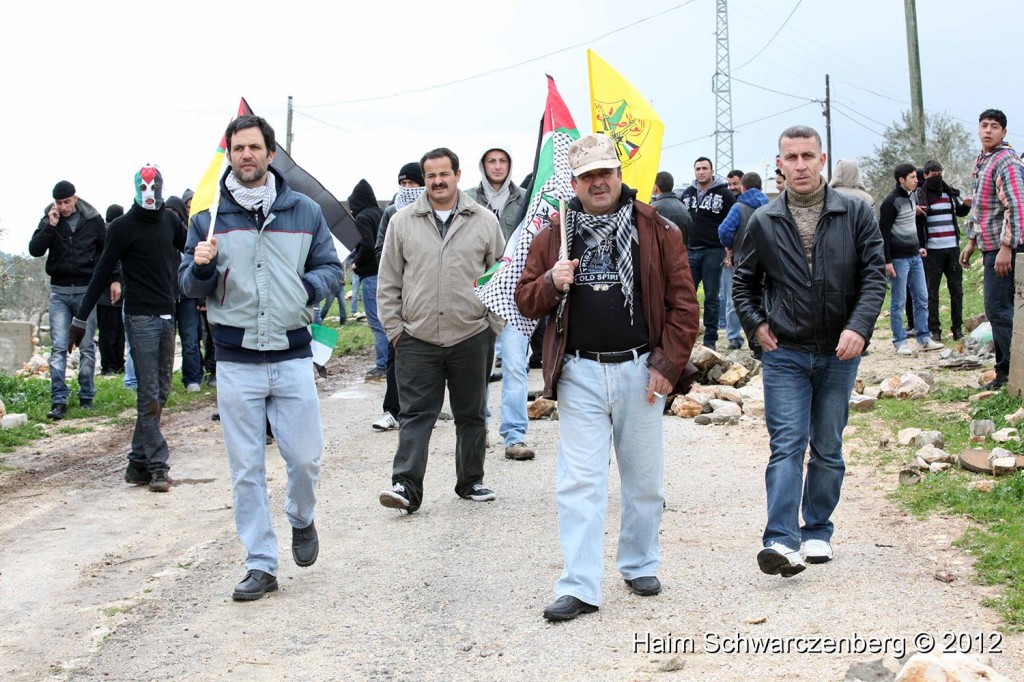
x: 623, y: 320
x: 809, y: 285
x: 443, y: 335
x: 269, y: 256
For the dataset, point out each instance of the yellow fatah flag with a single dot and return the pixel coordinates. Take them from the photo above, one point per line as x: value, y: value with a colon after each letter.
x: 619, y: 111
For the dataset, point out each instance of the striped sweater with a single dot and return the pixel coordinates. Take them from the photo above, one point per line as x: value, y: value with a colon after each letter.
x: 997, y: 212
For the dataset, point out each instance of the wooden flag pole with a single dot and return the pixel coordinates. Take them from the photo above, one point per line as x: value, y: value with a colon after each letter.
x: 561, y: 223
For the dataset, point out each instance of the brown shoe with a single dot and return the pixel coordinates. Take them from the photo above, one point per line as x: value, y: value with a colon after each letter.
x: 519, y: 451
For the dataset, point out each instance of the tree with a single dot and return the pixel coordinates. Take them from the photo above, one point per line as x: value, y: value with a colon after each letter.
x: 24, y: 288
x: 946, y: 140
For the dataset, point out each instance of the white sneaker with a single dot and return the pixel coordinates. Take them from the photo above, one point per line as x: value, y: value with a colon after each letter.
x: 904, y: 349
x: 931, y: 345
x: 816, y: 551
x: 192, y: 388
x: 387, y: 422
x: 777, y: 559
x: 480, y: 493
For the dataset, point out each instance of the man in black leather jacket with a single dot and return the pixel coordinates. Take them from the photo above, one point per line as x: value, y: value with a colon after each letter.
x: 808, y: 286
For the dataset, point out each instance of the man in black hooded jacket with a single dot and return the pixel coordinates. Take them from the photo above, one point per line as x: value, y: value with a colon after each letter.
x: 362, y: 203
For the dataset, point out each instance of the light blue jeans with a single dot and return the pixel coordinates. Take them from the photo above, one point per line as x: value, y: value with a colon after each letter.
x: 513, y: 385
x: 247, y: 394
x: 63, y: 307
x: 600, y: 405
x: 733, y: 328
x: 380, y: 338
x: 909, y: 273
x: 356, y: 280
x: 806, y: 400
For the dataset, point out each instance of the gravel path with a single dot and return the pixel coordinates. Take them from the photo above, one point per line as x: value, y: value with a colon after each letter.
x: 101, y: 581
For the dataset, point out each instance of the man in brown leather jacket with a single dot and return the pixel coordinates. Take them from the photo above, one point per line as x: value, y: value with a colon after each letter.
x: 623, y: 322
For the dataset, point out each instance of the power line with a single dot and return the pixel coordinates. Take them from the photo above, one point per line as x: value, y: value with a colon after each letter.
x: 862, y: 115
x: 777, y: 92
x: 774, y: 36
x: 351, y: 132
x: 741, y: 125
x: 502, y: 68
x: 846, y: 116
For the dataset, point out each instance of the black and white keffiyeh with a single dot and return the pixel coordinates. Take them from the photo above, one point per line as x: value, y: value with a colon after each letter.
x: 255, y: 199
x: 407, y: 195
x: 596, y: 229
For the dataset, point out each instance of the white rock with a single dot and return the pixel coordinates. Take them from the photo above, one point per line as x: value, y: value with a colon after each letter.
x: 1004, y: 465
x: 1005, y: 435
x: 726, y: 408
x: 872, y: 392
x: 731, y: 394
x: 930, y: 438
x: 753, y: 407
x: 999, y: 453
x: 13, y: 420
x: 911, y: 387
x: 932, y: 454
x: 1016, y: 417
x: 938, y: 467
x: 982, y: 428
x: 907, y: 436
x: 861, y: 403
x: 946, y: 667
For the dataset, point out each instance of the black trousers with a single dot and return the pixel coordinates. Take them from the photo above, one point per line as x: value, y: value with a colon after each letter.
x: 423, y: 370
x: 938, y: 263
x: 111, y: 343
x: 391, y: 403
x: 209, y: 361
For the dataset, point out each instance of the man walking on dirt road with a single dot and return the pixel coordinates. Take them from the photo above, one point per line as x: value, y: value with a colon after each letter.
x: 808, y: 287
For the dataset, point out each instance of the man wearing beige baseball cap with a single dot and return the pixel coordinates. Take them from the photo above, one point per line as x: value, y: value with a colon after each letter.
x: 623, y: 320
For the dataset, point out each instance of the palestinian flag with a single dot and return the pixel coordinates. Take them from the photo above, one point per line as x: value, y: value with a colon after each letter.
x: 552, y: 180
x: 340, y: 222
x: 324, y: 341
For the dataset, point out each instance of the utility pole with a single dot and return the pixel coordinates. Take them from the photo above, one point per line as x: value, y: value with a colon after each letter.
x: 721, y: 85
x: 827, y: 113
x: 914, y: 56
x: 288, y: 126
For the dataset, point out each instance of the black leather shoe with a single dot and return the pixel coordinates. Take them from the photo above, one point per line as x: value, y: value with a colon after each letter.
x: 647, y: 586
x: 137, y: 476
x: 254, y: 585
x: 57, y: 411
x: 85, y: 404
x: 495, y: 376
x: 305, y: 545
x: 568, y: 607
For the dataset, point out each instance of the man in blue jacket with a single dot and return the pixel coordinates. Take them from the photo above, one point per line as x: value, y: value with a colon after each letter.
x: 730, y: 233
x: 267, y: 258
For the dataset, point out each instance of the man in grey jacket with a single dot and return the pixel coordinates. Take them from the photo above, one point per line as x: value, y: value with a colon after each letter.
x: 433, y: 251
x: 260, y: 265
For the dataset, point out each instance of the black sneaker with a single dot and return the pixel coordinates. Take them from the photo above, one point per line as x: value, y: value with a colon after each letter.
x: 160, y: 482
x: 395, y: 498
x: 480, y: 493
x: 136, y: 476
x: 254, y: 585
x: 995, y: 384
x: 57, y: 411
x: 85, y: 404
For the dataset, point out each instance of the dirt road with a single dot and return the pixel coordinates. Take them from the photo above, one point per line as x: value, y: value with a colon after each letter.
x: 104, y: 581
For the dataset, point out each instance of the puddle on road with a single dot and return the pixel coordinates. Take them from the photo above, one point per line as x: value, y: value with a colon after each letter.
x: 352, y: 392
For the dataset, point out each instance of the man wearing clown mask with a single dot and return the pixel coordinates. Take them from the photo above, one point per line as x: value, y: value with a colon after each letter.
x: 147, y: 240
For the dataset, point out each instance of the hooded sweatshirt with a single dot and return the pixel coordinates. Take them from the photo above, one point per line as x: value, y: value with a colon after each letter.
x: 362, y: 203
x: 505, y: 202
x: 708, y: 207
x: 846, y: 179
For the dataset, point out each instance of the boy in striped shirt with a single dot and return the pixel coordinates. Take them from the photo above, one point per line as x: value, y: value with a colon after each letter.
x: 996, y: 226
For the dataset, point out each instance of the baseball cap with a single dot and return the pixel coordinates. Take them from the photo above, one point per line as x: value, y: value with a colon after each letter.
x: 592, y: 152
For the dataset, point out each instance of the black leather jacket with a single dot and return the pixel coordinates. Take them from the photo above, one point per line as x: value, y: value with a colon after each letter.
x: 808, y: 310
x: 70, y: 256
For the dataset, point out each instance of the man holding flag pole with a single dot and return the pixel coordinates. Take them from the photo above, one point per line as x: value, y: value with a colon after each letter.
x: 261, y: 255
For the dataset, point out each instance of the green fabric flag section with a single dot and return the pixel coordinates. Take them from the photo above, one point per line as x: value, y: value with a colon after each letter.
x: 324, y: 341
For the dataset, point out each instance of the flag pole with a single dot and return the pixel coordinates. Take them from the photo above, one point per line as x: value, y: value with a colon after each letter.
x: 561, y: 223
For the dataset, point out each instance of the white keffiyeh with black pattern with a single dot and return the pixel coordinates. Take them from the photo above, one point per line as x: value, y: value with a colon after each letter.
x: 595, y: 229
x: 256, y: 198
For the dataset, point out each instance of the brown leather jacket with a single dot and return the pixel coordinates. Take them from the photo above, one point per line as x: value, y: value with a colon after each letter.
x: 669, y: 299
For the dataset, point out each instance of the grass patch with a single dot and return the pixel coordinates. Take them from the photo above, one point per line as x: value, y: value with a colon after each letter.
x: 71, y: 430
x: 997, y: 538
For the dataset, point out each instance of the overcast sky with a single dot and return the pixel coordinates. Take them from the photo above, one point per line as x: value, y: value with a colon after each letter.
x: 91, y: 91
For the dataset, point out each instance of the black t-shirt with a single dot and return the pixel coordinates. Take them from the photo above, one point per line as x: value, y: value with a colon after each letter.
x: 599, y: 317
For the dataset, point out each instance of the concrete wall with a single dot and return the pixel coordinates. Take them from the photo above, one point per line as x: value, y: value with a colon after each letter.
x: 15, y: 345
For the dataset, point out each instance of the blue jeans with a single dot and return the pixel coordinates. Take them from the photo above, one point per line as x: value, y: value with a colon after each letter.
x: 247, y: 395
x: 600, y: 405
x: 355, y: 294
x: 188, y: 330
x: 152, y: 339
x: 706, y: 266
x: 513, y: 385
x: 806, y: 398
x: 63, y: 307
x: 733, y: 328
x: 336, y: 295
x: 380, y: 338
x: 998, y: 295
x: 909, y: 274
x: 130, y: 381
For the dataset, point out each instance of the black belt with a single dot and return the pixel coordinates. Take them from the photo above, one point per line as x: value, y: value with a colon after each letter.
x: 612, y: 357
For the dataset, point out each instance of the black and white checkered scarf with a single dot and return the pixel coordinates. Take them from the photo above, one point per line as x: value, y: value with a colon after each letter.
x: 256, y: 199
x: 598, y: 228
